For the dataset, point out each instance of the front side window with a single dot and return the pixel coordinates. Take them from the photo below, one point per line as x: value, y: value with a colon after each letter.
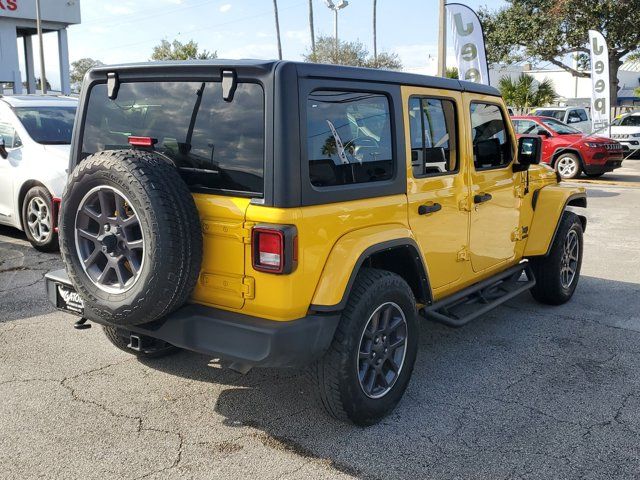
x: 216, y: 144
x: 433, y: 136
x: 348, y: 138
x: 48, y: 125
x: 491, y: 141
x: 559, y: 127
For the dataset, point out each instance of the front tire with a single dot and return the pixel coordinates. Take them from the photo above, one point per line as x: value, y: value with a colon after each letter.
x: 38, y: 220
x: 568, y: 166
x: 368, y: 366
x: 558, y: 273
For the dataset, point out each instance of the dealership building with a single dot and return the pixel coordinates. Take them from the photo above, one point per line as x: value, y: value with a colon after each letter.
x: 18, y: 33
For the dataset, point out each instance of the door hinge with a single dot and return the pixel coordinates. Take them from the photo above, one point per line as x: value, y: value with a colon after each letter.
x: 463, y: 205
x: 238, y: 230
x: 520, y: 191
x: 248, y: 287
x: 519, y: 233
x: 463, y: 255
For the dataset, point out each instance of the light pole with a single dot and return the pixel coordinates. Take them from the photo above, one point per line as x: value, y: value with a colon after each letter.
x: 43, y: 79
x: 442, y: 40
x: 335, y: 7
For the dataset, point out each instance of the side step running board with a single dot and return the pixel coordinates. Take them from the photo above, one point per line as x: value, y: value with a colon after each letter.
x: 468, y: 304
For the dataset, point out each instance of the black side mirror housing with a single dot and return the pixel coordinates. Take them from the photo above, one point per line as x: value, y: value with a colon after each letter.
x: 543, y: 133
x: 529, y: 152
x: 3, y: 149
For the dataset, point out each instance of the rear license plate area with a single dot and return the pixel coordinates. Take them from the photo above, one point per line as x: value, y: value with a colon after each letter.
x: 68, y: 299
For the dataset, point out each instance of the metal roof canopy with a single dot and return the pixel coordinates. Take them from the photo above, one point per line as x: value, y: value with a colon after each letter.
x: 18, y: 21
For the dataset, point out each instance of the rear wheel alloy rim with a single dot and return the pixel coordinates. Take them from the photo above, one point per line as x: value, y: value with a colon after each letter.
x: 569, y: 259
x: 382, y: 349
x: 109, y: 239
x: 38, y: 219
x: 567, y: 166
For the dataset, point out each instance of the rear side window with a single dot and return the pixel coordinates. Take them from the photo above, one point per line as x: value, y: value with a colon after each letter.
x: 348, y: 138
x: 217, y: 145
x: 491, y: 141
x: 432, y: 124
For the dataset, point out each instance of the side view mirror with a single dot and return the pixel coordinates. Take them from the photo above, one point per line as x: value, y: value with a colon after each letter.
x: 543, y: 133
x: 529, y: 152
x: 3, y: 149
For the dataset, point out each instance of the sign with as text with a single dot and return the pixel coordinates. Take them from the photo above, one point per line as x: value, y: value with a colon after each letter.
x: 600, y: 85
x: 468, y: 43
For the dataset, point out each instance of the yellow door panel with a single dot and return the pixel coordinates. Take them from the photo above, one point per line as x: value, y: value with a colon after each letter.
x: 495, y: 189
x: 225, y: 238
x: 437, y: 202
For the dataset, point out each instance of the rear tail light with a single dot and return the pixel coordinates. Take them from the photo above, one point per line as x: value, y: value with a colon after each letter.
x: 274, y: 248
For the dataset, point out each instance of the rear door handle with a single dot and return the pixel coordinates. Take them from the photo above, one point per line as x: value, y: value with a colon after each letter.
x: 481, y: 198
x: 426, y: 209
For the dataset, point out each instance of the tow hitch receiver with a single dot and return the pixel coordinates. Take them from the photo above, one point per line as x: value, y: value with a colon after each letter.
x: 147, y: 345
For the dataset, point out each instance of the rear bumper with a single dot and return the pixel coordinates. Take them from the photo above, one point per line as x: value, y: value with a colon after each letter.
x: 238, y: 338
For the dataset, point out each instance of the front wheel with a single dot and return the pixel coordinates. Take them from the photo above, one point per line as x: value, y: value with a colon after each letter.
x: 557, y: 274
x: 369, y: 364
x: 568, y: 166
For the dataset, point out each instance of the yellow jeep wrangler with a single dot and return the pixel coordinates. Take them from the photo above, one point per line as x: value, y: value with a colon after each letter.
x: 289, y: 214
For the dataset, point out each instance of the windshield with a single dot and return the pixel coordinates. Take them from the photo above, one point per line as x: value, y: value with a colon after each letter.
x: 216, y: 144
x: 630, y: 121
x: 48, y: 125
x: 559, y: 127
x: 557, y: 114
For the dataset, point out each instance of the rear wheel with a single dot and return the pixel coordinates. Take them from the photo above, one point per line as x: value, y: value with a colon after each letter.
x: 37, y: 219
x: 558, y: 273
x: 369, y: 364
x: 568, y: 165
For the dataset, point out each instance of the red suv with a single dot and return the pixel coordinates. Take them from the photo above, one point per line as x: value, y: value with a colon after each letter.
x: 569, y: 151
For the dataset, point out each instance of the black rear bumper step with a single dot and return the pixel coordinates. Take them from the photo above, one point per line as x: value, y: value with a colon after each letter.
x: 462, y: 307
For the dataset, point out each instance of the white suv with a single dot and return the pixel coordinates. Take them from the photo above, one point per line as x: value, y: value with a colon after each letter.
x: 577, y: 117
x: 35, y: 137
x: 626, y: 130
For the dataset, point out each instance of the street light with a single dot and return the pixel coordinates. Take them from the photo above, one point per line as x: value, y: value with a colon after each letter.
x: 335, y: 7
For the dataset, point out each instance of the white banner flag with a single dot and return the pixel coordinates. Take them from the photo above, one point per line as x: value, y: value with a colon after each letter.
x: 600, y: 86
x: 468, y: 42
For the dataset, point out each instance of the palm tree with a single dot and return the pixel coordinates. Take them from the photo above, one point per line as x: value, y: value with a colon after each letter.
x: 524, y: 93
x: 313, y: 36
x: 275, y: 11
x: 375, y: 34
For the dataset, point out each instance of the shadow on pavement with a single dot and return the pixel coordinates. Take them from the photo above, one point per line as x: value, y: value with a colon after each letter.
x: 526, y: 385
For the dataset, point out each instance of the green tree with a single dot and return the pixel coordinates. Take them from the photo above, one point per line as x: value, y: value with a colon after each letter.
x: 180, y: 51
x: 350, y: 53
x: 80, y: 67
x: 525, y: 93
x: 452, y: 72
x: 555, y: 30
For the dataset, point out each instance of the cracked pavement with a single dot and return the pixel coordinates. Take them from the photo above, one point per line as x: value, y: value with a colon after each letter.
x: 525, y: 392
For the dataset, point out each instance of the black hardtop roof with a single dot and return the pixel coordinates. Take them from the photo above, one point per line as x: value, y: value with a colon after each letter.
x: 313, y: 70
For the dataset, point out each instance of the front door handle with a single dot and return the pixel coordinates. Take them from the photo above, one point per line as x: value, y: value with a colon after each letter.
x: 426, y: 209
x: 481, y: 198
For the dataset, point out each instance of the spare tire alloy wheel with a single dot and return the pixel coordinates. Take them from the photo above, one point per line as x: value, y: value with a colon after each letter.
x: 109, y: 239
x: 382, y: 350
x: 39, y: 219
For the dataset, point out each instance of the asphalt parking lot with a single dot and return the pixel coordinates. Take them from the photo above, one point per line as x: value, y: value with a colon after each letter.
x: 526, y: 392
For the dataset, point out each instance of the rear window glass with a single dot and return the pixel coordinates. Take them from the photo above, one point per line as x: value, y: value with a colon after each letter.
x: 48, y: 125
x: 216, y: 144
x: 348, y: 138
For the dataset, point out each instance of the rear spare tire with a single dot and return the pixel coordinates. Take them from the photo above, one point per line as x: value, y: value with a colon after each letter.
x: 130, y: 236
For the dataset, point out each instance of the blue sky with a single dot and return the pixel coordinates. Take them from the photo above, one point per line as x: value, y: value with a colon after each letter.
x: 116, y: 31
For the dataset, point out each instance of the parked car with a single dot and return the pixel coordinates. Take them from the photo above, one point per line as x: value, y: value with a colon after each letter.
x: 577, y: 117
x: 626, y: 130
x: 568, y: 150
x: 35, y: 134
x: 307, y: 214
